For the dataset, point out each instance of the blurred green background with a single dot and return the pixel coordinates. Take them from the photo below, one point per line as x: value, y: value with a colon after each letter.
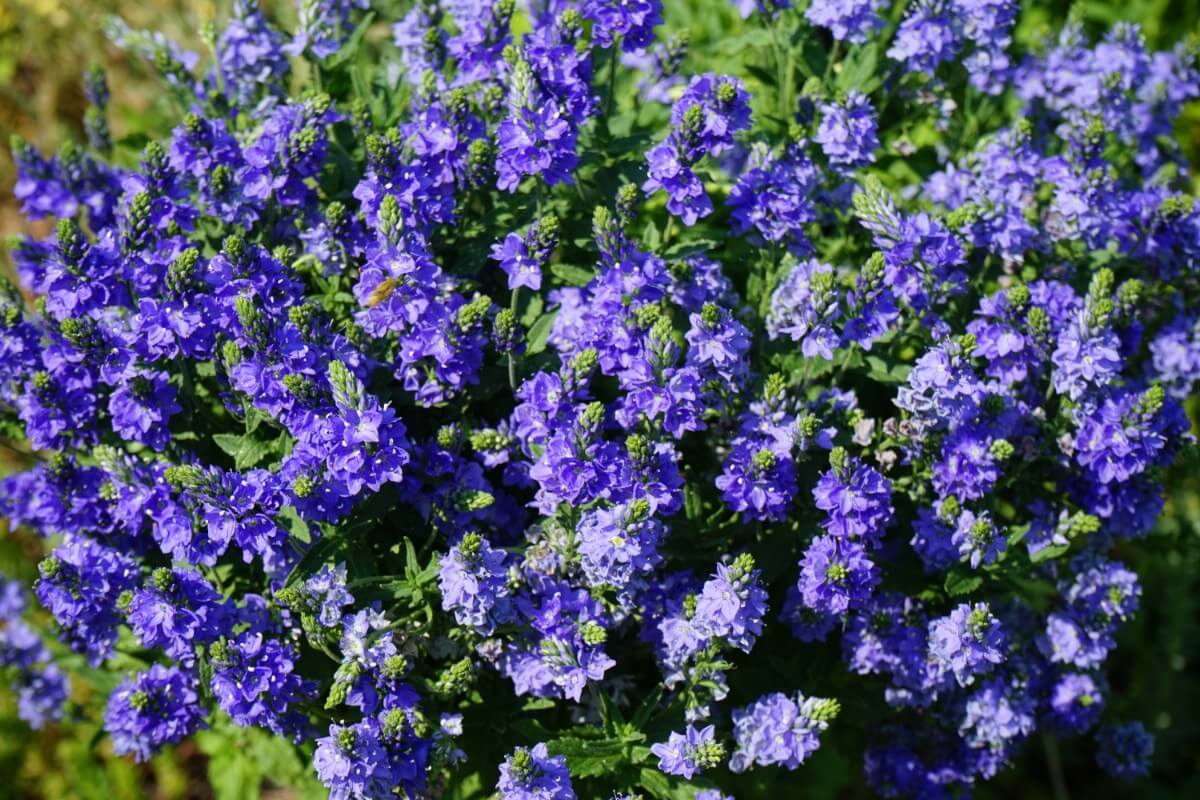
x: 44, y: 47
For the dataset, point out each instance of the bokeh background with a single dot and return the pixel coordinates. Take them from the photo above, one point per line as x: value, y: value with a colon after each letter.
x: 45, y: 46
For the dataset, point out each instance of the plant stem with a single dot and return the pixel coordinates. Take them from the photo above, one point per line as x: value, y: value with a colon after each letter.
x: 1054, y: 763
x: 833, y: 57
x: 612, y: 79
x: 512, y: 361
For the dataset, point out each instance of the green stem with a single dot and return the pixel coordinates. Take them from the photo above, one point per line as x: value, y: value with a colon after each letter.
x: 833, y: 57
x: 512, y: 359
x: 612, y: 80
x: 1054, y: 763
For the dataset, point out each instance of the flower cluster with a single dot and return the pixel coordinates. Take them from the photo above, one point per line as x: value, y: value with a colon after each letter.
x: 510, y: 385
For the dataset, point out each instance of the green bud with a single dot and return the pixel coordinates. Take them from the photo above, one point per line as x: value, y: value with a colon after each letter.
x: 448, y: 437
x: 874, y: 268
x: 49, y: 567
x: 474, y: 312
x: 521, y: 764
x: 628, y: 197
x: 395, y: 667
x: 454, y: 679
x: 391, y: 218
x: 1001, y: 450
x: 593, y: 415
x: 1018, y: 296
x: 742, y: 566
x: 469, y: 546
x: 1082, y: 524
x: 231, y: 353
x: 585, y: 361
x: 638, y: 446
x: 472, y: 500
x: 184, y: 476
x: 593, y: 633
x: 1152, y: 401
x: 234, y: 248
x: 162, y: 579
x: 303, y: 486
x: 775, y: 386
x: 639, y: 509
x: 825, y: 710
x: 1038, y: 321
x: 764, y: 459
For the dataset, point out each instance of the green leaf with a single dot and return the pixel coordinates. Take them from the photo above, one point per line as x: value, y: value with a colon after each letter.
x: 1017, y: 534
x: 693, y: 503
x: 317, y: 555
x: 590, y: 758
x: 296, y: 526
x: 229, y: 442
x: 350, y: 48
x: 538, y: 704
x: 695, y: 247
x: 572, y: 275
x: 883, y: 372
x: 958, y: 583
x: 540, y: 332
x: 248, y: 450
x: 764, y: 76
x: 1049, y: 553
x: 664, y: 788
x: 858, y: 70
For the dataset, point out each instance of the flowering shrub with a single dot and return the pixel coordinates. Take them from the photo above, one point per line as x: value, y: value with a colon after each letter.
x: 505, y: 409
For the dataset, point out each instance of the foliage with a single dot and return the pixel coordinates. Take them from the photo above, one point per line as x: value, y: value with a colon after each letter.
x: 522, y: 405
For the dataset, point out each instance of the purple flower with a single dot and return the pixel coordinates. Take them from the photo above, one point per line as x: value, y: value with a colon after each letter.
x: 255, y: 682
x: 847, y: 20
x: 997, y: 715
x: 774, y: 196
x: 856, y: 499
x: 619, y: 544
x: 703, y: 121
x: 533, y: 774
x: 42, y: 695
x: 177, y: 610
x: 250, y: 56
x: 473, y: 580
x: 967, y: 642
x: 847, y: 133
x: 351, y: 762
x: 689, y: 752
x: 757, y: 482
x: 732, y: 604
x: 80, y: 585
x: 152, y: 709
x: 776, y: 729
x: 1076, y: 702
x: 978, y: 540
x: 631, y: 20
x: 140, y: 407
x: 522, y: 257
x: 836, y: 575
x: 324, y: 25
x: 1125, y: 751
